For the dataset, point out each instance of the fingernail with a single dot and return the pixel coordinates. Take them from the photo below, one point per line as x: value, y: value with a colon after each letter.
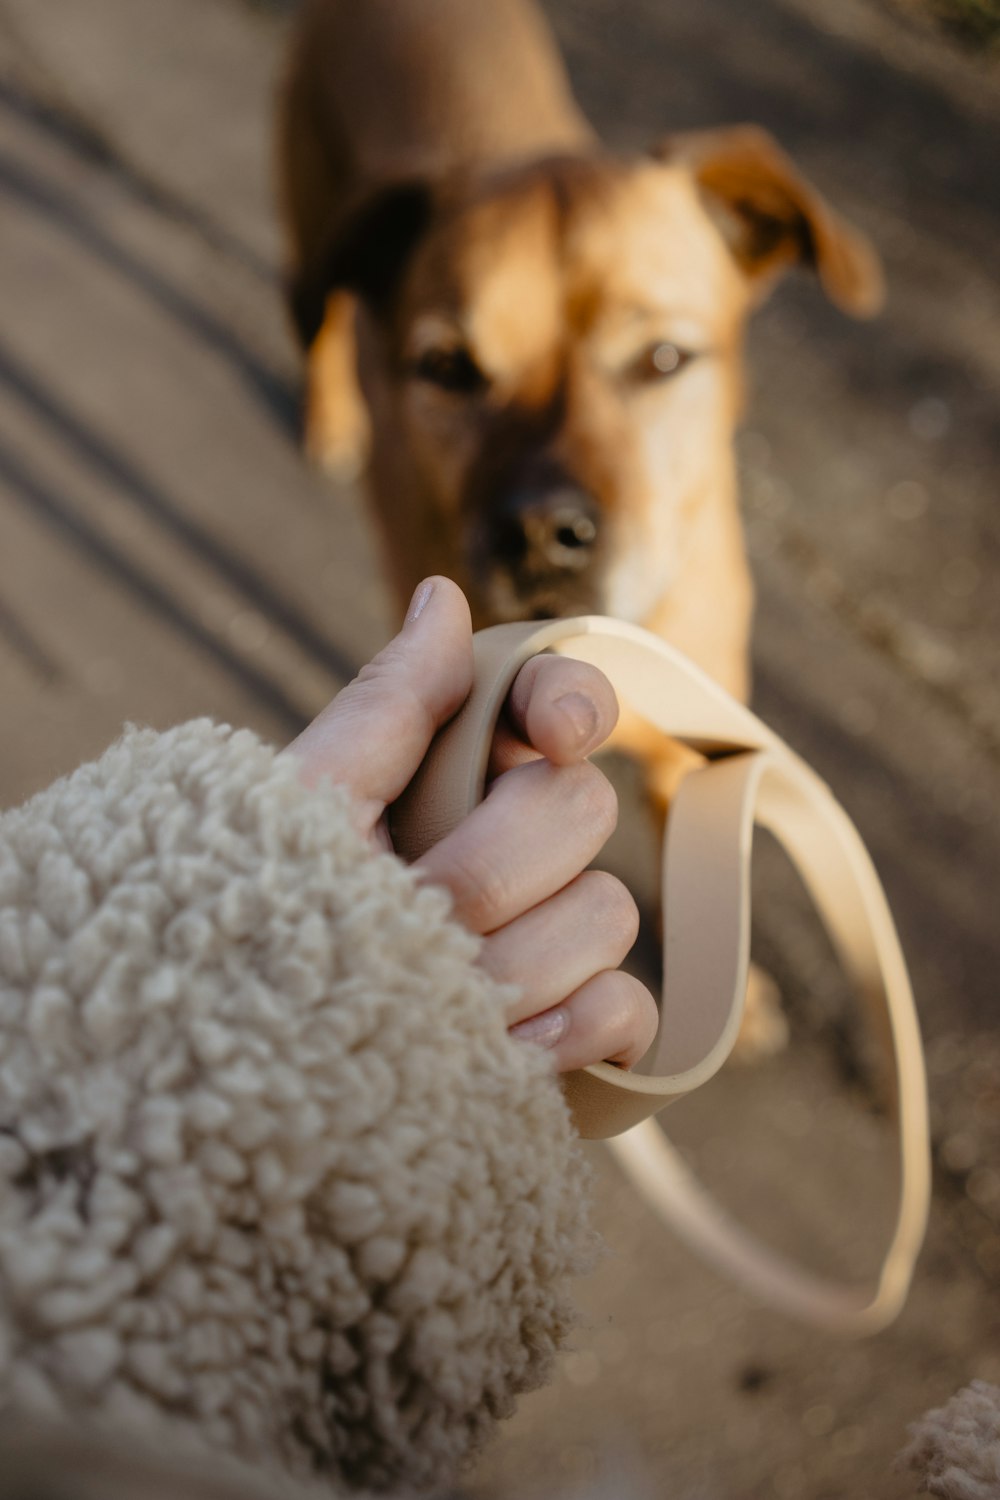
x: 421, y: 595
x: 545, y: 1029
x: 581, y: 712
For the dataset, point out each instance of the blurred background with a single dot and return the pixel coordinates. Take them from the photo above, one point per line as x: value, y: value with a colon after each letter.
x: 165, y: 552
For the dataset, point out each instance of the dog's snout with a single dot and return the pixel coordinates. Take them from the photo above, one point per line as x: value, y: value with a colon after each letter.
x: 553, y: 531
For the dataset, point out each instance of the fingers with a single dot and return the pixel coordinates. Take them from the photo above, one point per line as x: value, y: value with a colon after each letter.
x: 375, y: 733
x: 611, y: 1018
x: 563, y: 956
x: 538, y: 828
x: 513, y: 866
x: 556, y: 947
x: 559, y: 708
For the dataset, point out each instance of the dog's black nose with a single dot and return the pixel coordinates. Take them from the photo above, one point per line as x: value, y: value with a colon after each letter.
x: 547, y: 531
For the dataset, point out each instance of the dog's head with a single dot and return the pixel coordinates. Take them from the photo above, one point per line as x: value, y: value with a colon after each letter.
x: 551, y: 353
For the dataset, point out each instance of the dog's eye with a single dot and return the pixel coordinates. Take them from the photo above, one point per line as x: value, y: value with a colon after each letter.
x: 452, y: 369
x: 659, y: 362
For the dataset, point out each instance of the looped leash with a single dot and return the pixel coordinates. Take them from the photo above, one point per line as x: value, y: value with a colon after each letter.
x: 749, y: 777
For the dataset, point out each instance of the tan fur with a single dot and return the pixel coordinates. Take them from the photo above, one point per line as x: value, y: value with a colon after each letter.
x: 556, y: 269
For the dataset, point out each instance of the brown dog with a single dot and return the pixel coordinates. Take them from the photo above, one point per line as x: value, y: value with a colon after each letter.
x: 535, y: 345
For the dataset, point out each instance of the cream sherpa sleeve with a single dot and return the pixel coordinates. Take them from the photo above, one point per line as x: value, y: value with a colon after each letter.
x: 274, y: 1177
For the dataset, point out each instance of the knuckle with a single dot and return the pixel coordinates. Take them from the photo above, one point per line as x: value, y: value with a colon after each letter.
x: 411, y: 711
x: 596, y: 799
x: 567, y: 674
x: 614, y: 909
x: 383, y: 684
x: 479, y: 890
x: 386, y: 665
x: 632, y: 1018
x: 614, y: 1017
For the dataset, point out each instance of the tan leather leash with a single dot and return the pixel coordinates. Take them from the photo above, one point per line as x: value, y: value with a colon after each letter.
x: 749, y: 777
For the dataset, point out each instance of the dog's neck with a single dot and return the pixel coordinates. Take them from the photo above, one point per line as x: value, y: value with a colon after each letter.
x: 708, y: 611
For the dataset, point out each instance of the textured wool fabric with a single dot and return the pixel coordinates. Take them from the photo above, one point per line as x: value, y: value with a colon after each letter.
x: 273, y: 1177
x: 956, y: 1449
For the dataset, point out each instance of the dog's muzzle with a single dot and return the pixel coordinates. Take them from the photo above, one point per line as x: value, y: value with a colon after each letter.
x: 539, y: 551
x: 547, y: 533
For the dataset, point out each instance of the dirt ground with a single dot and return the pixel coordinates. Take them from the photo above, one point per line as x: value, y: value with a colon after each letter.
x: 164, y: 552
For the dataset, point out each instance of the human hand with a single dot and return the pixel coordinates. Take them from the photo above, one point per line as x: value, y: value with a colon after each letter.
x: 516, y: 867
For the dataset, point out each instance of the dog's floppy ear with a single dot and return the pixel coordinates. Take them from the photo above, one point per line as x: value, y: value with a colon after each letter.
x: 772, y: 218
x: 365, y: 254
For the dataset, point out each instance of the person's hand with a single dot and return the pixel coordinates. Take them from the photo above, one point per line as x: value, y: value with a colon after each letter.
x: 516, y: 867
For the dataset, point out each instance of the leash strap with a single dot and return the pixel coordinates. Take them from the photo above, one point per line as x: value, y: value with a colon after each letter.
x: 749, y: 778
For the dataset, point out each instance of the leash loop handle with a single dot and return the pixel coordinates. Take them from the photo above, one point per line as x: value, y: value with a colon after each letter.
x: 749, y: 777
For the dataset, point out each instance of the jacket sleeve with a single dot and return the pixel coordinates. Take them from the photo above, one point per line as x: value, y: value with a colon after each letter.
x: 272, y: 1172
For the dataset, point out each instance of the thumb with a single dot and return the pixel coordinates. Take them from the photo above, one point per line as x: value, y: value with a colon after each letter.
x: 375, y: 733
